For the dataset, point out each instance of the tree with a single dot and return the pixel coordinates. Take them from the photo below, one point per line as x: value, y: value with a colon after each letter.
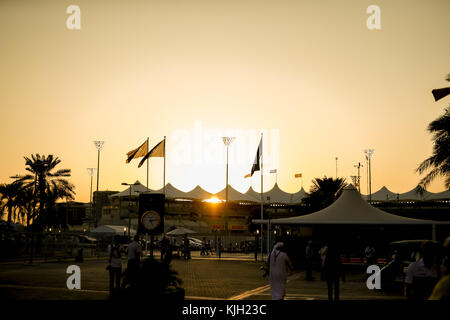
x: 8, y: 198
x: 26, y: 204
x: 48, y: 186
x: 439, y: 162
x: 324, y: 192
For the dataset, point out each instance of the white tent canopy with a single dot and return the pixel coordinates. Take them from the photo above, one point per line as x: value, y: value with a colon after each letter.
x: 198, y: 193
x: 440, y: 195
x: 276, y: 194
x: 384, y: 194
x: 350, y: 208
x: 234, y: 195
x: 136, y: 189
x: 298, y: 196
x: 415, y: 194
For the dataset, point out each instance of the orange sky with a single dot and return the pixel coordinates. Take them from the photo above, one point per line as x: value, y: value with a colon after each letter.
x: 308, y: 73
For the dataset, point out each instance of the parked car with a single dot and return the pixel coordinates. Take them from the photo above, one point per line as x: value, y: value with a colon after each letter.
x: 401, y: 255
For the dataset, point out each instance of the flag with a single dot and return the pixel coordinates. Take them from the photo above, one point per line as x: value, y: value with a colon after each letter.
x: 298, y: 175
x: 247, y: 175
x: 138, y: 152
x: 256, y: 164
x: 438, y: 94
x: 157, y: 151
x: 273, y: 171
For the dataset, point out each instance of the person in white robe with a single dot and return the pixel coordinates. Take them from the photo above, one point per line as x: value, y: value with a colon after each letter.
x: 280, y: 266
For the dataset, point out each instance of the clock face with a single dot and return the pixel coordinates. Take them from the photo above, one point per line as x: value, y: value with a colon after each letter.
x: 150, y: 220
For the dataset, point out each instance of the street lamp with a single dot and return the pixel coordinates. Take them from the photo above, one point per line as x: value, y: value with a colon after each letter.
x: 227, y: 141
x: 359, y: 165
x: 98, y: 145
x: 369, y: 154
x: 129, y: 205
x: 336, y: 167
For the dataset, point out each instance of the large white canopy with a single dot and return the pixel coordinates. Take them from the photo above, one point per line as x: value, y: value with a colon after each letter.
x: 274, y: 195
x: 384, y: 194
x: 440, y: 195
x: 415, y: 194
x: 350, y: 208
x: 234, y: 195
x: 136, y: 188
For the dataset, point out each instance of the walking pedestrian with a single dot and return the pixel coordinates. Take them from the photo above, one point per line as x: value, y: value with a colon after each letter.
x: 332, y: 270
x: 115, y: 266
x: 323, y: 254
x: 134, y: 258
x: 309, y: 260
x: 279, y: 267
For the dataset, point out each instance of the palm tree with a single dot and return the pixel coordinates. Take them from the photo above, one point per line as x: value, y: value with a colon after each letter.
x: 324, y: 192
x: 26, y: 204
x: 8, y: 198
x: 439, y: 162
x: 48, y: 186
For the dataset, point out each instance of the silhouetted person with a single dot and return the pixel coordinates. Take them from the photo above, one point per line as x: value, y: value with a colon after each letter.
x: 370, y: 255
x: 134, y: 258
x: 323, y: 253
x: 187, y: 251
x: 165, y: 244
x: 422, y: 275
x: 332, y: 270
x: 203, y: 251
x: 115, y: 266
x: 442, y: 289
x: 280, y: 266
x: 309, y: 260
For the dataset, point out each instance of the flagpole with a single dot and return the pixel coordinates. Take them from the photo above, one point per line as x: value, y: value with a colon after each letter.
x: 164, y: 173
x: 147, y: 160
x: 262, y: 198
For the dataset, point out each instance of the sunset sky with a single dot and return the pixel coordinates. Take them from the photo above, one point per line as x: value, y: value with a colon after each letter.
x: 309, y: 74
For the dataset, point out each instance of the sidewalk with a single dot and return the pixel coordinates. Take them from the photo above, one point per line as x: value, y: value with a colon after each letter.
x: 203, y: 278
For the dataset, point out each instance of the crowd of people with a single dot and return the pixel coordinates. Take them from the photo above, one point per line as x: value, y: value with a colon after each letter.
x: 426, y: 278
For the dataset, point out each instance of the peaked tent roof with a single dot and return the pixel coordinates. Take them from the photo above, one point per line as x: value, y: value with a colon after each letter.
x: 135, y: 189
x: 198, y: 193
x: 384, y: 194
x: 350, y: 208
x: 278, y: 196
x: 252, y: 194
x: 440, y: 195
x: 415, y: 194
x: 299, y: 195
x: 234, y: 195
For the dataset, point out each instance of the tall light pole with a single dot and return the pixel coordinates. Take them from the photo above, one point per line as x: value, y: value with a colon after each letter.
x: 91, y: 172
x: 129, y: 205
x: 98, y: 145
x: 369, y: 154
x: 336, y: 168
x: 359, y: 165
x: 227, y: 141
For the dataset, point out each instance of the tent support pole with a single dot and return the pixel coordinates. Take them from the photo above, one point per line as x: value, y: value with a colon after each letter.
x: 433, y: 232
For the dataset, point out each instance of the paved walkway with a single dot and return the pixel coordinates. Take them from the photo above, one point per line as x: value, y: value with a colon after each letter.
x: 203, y: 278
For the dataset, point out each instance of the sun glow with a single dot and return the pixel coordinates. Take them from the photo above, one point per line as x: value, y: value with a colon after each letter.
x: 213, y: 200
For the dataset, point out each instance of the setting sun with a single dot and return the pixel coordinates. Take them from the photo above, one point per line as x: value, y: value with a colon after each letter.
x: 213, y: 200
